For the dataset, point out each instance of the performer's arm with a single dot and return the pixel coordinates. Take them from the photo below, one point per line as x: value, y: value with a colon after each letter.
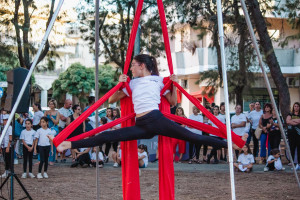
x: 118, y: 94
x: 172, y: 96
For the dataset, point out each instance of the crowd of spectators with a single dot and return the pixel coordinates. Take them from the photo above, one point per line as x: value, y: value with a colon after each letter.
x: 260, y: 123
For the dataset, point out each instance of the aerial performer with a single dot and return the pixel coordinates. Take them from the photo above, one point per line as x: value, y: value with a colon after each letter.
x: 146, y: 86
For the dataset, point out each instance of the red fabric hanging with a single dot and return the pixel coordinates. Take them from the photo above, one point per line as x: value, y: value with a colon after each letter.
x: 130, y: 164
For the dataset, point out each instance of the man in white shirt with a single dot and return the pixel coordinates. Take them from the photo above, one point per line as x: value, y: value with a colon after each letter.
x: 64, y: 112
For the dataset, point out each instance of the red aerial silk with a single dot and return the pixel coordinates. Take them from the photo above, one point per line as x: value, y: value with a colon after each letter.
x: 130, y: 181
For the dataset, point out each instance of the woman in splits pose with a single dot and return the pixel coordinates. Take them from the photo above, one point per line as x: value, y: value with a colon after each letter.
x: 145, y: 86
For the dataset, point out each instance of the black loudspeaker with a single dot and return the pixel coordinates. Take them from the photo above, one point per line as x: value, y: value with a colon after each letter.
x: 15, y: 80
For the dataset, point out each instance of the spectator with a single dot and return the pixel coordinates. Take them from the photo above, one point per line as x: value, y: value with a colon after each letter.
x: 116, y: 156
x: 274, y: 134
x: 109, y: 117
x: 254, y: 118
x: 264, y: 124
x: 195, y: 148
x: 6, y: 147
x: 181, y: 143
x: 44, y: 145
x: 205, y: 121
x: 53, y: 119
x: 238, y: 123
x: 293, y: 121
x: 116, y: 115
x: 91, y: 100
x: 245, y: 160
x: 274, y: 161
x: 100, y: 158
x: 38, y: 114
x: 214, y: 152
x: 27, y: 138
x: 143, y: 156
x: 222, y: 114
x: 83, y: 158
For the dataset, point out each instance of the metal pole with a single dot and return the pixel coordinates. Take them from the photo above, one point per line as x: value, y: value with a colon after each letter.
x: 32, y: 68
x: 97, y: 90
x: 263, y: 69
x: 138, y: 36
x: 224, y: 73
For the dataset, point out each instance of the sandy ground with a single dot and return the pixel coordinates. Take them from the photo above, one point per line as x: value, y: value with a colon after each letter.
x: 192, y: 182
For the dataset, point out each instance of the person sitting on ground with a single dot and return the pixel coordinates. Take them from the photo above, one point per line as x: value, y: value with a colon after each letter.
x: 274, y: 161
x: 100, y: 158
x: 142, y: 156
x: 116, y: 156
x: 82, y: 158
x: 245, y: 160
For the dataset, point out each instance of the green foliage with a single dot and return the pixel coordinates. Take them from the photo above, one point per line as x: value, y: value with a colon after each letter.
x: 107, y: 78
x: 3, y: 70
x: 116, y: 18
x: 77, y: 80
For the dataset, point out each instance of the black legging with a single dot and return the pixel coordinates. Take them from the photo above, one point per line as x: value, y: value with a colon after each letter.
x: 274, y: 139
x: 27, y: 154
x: 108, y: 145
x: 255, y: 142
x: 44, y: 155
x: 7, y: 158
x: 294, y: 142
x: 147, y: 126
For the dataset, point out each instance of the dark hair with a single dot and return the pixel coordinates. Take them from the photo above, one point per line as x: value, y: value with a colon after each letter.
x: 296, y: 103
x: 45, y: 119
x: 149, y: 61
x: 38, y: 105
x: 180, y: 108
x: 268, y: 105
x: 91, y: 99
x: 143, y: 147
x: 104, y: 120
x: 248, y: 147
x: 274, y: 151
x: 75, y: 107
x: 118, y: 113
x: 111, y: 112
x: 29, y: 120
x: 222, y: 104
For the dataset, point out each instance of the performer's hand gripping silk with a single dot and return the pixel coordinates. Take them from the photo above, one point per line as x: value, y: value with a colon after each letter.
x: 146, y: 86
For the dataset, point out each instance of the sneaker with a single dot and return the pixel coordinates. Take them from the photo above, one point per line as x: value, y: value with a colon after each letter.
x: 31, y: 175
x: 297, y: 167
x: 46, y: 175
x: 24, y: 175
x: 116, y: 164
x: 266, y: 169
x: 85, y: 165
x: 101, y: 166
x: 39, y: 176
x: 282, y: 169
x: 16, y: 161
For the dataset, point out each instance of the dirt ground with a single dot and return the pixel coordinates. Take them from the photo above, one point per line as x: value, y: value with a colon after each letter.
x: 192, y: 182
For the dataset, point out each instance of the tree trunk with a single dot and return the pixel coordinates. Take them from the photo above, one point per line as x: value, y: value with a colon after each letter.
x: 267, y: 46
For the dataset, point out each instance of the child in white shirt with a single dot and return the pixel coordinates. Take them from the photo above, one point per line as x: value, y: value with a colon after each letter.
x: 274, y: 161
x: 142, y: 156
x: 245, y: 160
x: 6, y: 147
x: 44, y: 146
x: 100, y: 158
x: 27, y: 138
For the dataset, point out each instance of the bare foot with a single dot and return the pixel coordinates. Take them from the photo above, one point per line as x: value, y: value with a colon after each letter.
x: 63, y: 146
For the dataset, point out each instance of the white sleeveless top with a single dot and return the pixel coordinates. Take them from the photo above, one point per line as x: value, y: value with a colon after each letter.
x: 146, y: 93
